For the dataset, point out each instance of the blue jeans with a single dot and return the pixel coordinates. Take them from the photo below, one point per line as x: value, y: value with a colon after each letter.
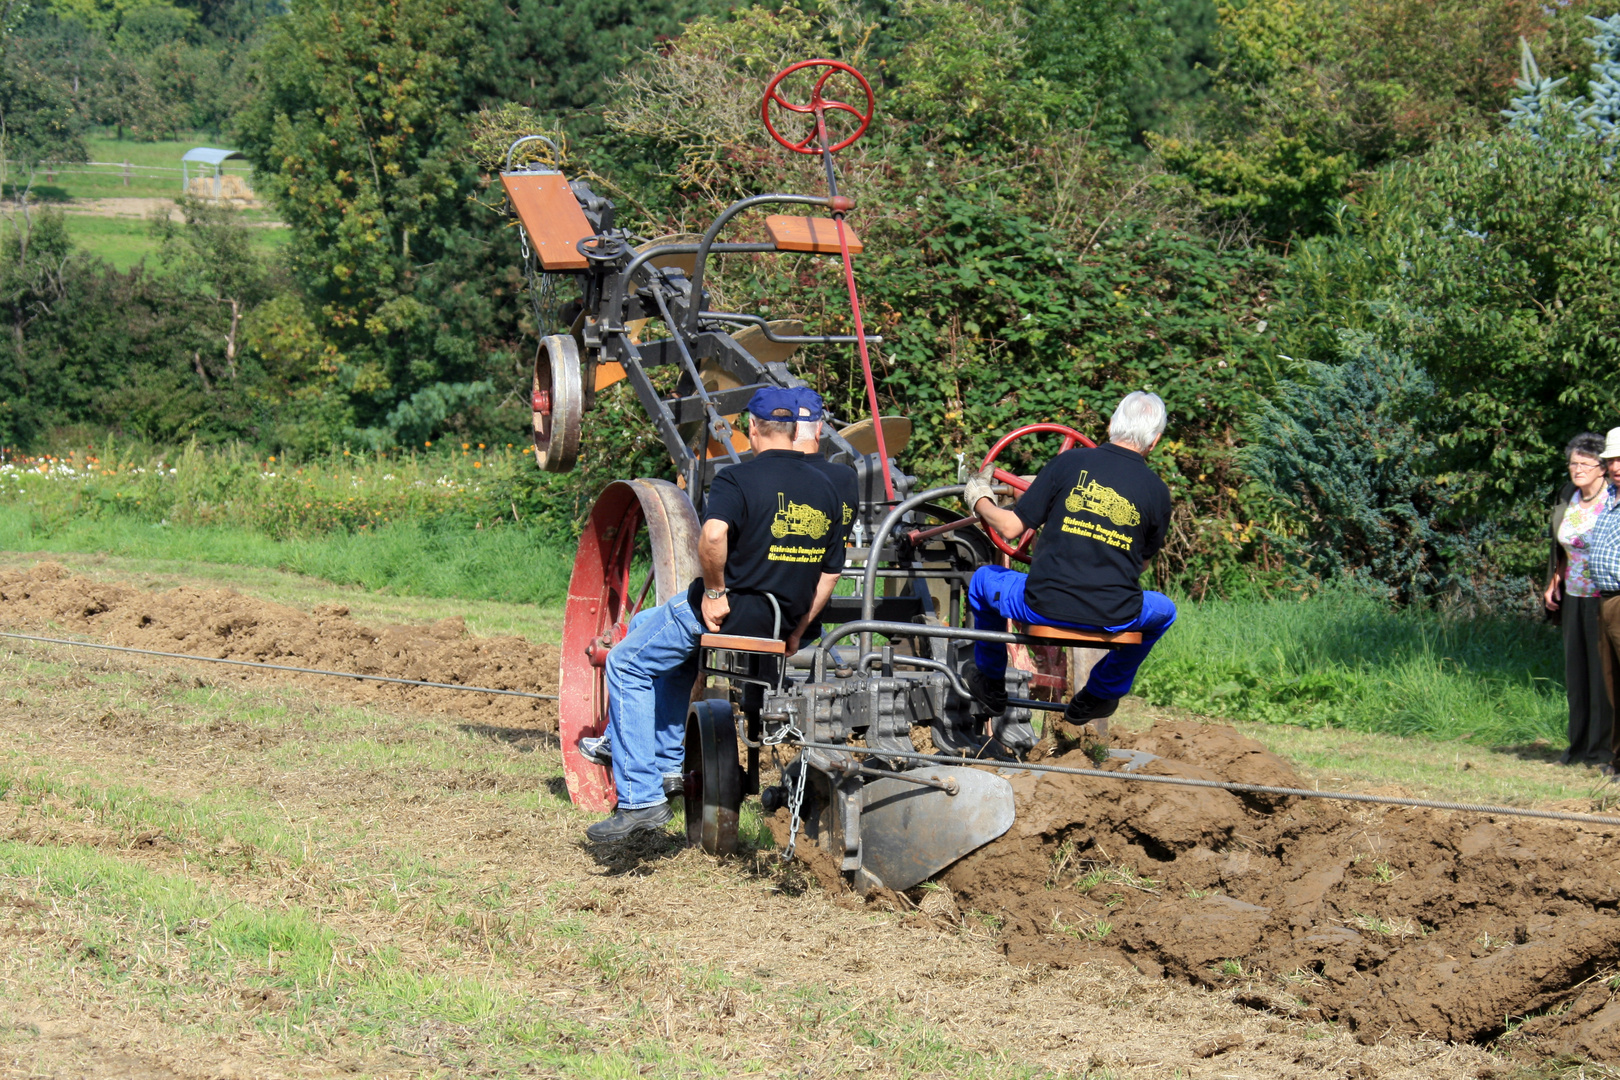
x: 996, y: 594
x: 650, y: 675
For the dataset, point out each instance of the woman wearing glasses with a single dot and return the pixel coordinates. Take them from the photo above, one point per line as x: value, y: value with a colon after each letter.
x: 1574, y: 601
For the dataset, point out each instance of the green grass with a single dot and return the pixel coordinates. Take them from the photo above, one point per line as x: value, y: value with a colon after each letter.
x: 512, y: 565
x: 437, y: 523
x: 79, y: 181
x: 1344, y: 660
x: 125, y: 241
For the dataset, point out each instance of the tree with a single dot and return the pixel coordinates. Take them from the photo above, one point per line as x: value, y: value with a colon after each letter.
x: 558, y: 58
x: 1492, y: 263
x: 357, y: 134
x: 1309, y: 99
x: 37, y: 121
x: 1337, y: 445
x: 1538, y: 106
x: 1603, y: 114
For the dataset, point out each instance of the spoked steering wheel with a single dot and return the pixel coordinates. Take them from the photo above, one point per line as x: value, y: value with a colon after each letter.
x: 818, y: 106
x: 1071, y: 438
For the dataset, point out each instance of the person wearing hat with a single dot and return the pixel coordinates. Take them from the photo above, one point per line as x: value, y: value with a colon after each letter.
x: 807, y: 440
x: 771, y: 549
x: 1575, y: 601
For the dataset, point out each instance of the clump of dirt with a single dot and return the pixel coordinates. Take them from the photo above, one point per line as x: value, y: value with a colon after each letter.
x: 1388, y: 920
x: 224, y: 624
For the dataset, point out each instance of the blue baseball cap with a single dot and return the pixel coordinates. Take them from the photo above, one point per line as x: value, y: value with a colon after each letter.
x: 810, y: 406
x: 768, y: 401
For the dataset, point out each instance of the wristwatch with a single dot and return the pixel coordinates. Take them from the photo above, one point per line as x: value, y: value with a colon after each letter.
x: 715, y: 594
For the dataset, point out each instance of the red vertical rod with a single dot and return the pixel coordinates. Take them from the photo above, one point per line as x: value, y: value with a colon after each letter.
x: 855, y: 309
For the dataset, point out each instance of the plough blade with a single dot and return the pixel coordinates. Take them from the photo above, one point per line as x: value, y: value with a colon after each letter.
x: 910, y: 832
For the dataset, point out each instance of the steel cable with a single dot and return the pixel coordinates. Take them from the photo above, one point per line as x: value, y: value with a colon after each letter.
x: 281, y: 667
x: 1224, y: 785
x: 933, y: 759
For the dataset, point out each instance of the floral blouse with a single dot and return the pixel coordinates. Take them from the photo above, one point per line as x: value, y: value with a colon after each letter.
x: 1572, y: 534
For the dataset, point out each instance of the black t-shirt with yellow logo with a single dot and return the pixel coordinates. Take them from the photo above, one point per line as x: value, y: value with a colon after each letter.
x: 845, y: 482
x: 786, y: 530
x: 1102, y: 513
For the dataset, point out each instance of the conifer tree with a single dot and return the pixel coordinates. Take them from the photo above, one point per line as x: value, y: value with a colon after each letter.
x: 1602, y: 116
x: 1538, y: 106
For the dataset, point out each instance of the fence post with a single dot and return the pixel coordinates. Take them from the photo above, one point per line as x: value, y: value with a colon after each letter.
x: 126, y: 173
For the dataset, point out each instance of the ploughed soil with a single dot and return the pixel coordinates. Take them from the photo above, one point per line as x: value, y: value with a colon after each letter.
x: 1451, y: 925
x: 48, y: 600
x: 1388, y: 921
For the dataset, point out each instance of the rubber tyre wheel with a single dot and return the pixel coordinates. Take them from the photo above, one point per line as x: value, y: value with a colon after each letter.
x: 714, y: 777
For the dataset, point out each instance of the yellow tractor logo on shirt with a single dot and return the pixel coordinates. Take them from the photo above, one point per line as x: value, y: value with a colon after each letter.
x: 1105, y: 502
x: 797, y: 519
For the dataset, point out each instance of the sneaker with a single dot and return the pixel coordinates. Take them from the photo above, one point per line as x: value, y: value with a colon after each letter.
x: 597, y: 751
x: 1086, y: 706
x: 625, y: 823
x: 991, y: 692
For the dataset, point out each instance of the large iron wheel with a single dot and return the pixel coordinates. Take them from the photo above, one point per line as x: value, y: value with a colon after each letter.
x: 558, y: 402
x: 713, y: 779
x: 638, y: 550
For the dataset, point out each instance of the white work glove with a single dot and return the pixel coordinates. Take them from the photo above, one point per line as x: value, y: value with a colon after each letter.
x: 980, y: 486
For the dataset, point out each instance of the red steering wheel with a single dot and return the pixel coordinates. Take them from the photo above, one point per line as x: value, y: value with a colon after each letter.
x: 1071, y: 437
x: 818, y: 106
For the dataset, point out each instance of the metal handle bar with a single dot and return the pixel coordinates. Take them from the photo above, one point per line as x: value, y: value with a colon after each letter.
x: 614, y: 323
x: 923, y: 662
x: 714, y: 230
x: 869, y: 580
x: 867, y: 627
x: 787, y: 339
x: 555, y: 153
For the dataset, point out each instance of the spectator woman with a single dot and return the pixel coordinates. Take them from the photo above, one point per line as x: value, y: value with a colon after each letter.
x: 1571, y: 595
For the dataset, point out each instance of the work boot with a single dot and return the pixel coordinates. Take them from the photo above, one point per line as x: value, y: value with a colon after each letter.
x: 991, y: 692
x: 597, y: 751
x: 1086, y: 706
x: 625, y: 823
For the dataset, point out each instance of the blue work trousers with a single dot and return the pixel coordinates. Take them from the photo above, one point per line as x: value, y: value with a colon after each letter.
x: 996, y: 594
x: 650, y: 675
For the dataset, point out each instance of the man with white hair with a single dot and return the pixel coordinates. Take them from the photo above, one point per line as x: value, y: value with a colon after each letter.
x: 1102, y: 514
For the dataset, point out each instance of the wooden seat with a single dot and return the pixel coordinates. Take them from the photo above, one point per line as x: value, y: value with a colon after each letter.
x: 1065, y: 636
x: 736, y: 643
x: 814, y: 234
x: 551, y: 216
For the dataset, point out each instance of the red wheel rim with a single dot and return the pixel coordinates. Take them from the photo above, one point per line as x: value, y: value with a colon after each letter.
x: 638, y: 549
x: 1071, y: 438
x: 818, y: 106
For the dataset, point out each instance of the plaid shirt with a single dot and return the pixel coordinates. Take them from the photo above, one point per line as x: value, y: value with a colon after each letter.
x: 1603, y: 547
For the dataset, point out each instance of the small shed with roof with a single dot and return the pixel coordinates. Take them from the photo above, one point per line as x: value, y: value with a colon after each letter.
x: 209, y: 161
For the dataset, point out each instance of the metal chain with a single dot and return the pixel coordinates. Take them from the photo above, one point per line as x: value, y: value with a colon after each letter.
x: 795, y: 802
x: 542, y: 291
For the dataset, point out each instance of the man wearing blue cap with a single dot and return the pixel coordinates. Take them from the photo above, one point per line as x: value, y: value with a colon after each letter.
x: 771, y: 550
x: 807, y: 440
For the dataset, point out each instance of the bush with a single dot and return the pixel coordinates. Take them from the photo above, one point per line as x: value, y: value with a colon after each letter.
x: 1338, y: 448
x: 1491, y: 264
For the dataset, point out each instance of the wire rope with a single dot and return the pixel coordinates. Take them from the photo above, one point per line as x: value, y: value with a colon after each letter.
x: 1225, y: 785
x: 279, y: 667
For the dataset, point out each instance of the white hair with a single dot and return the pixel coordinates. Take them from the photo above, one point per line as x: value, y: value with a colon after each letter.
x: 806, y: 429
x: 1139, y: 421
